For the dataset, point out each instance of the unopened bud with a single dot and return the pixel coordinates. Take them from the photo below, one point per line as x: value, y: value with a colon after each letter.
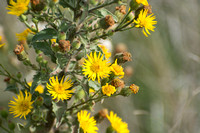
x: 76, y: 44
x: 39, y: 58
x: 35, y: 20
x: 133, y: 5
x: 118, y: 83
x: 62, y: 36
x: 101, y: 115
x: 11, y: 125
x: 4, y: 113
x: 110, y: 129
x: 22, y: 18
x: 126, y: 91
x: 55, y: 47
x: 39, y: 101
x: 94, y: 2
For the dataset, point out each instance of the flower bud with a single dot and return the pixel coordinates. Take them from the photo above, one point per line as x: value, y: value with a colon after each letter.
x: 11, y: 125
x: 101, y: 115
x: 133, y: 5
x: 107, y: 22
x: 35, y: 20
x: 62, y: 36
x: 38, y: 5
x: 123, y: 57
x: 44, y: 63
x: 94, y: 2
x: 21, y: 54
x: 35, y: 117
x: 39, y: 101
x: 126, y: 91
x: 22, y: 18
x: 64, y: 45
x: 55, y: 47
x: 118, y: 83
x: 4, y: 114
x: 76, y: 44
x: 110, y: 129
x: 39, y: 58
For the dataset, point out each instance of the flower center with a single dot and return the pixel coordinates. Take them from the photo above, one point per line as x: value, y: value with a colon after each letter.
x: 24, y: 106
x: 95, y: 67
x: 59, y: 88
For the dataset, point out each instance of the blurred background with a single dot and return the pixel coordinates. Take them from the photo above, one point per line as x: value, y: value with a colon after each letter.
x: 166, y: 66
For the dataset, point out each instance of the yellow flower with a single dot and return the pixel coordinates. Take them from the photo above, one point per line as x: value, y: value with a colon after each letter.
x: 108, y: 89
x: 117, y: 69
x: 39, y: 88
x: 60, y: 90
x: 1, y: 44
x: 22, y: 36
x: 18, y: 7
x: 145, y: 22
x: 22, y: 105
x: 117, y: 124
x: 105, y: 51
x: 86, y: 123
x: 91, y: 91
x: 96, y: 67
x: 53, y: 41
x: 144, y: 2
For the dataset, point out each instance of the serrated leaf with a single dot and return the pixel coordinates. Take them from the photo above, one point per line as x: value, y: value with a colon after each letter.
x: 12, y: 88
x: 59, y: 110
x: 94, y: 84
x: 104, y: 12
x: 45, y: 48
x: 45, y: 34
x: 61, y: 59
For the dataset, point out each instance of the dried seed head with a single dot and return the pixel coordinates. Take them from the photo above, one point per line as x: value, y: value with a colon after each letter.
x: 118, y: 83
x: 127, y: 56
x: 64, y: 45
x: 18, y: 49
x: 103, y: 113
x: 109, y: 20
x: 149, y: 8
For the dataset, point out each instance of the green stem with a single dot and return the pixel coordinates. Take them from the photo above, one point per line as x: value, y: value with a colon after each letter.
x: 103, y: 5
x: 26, y: 23
x: 5, y: 129
x: 123, y: 19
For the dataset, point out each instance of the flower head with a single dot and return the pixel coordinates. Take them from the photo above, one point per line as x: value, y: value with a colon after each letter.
x: 105, y: 51
x: 144, y: 2
x: 96, y: 67
x: 108, y: 89
x: 39, y: 88
x: 145, y: 22
x: 22, y: 36
x: 22, y: 105
x: 134, y: 88
x: 1, y: 44
x: 86, y: 123
x: 18, y: 7
x: 117, y: 124
x: 60, y: 90
x: 117, y: 69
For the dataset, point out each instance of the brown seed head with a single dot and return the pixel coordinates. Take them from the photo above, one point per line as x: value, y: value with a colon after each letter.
x: 18, y: 49
x: 109, y: 20
x: 103, y: 113
x: 118, y: 83
x: 127, y: 56
x: 64, y: 45
x: 35, y: 2
x: 149, y: 8
x: 122, y: 9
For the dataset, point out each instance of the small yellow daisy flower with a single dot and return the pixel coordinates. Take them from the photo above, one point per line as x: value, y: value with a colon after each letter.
x: 117, y: 69
x: 117, y: 124
x: 53, y: 41
x: 22, y: 105
x: 145, y: 22
x: 86, y: 123
x: 39, y: 88
x: 1, y: 44
x: 108, y: 89
x: 18, y: 7
x: 96, y: 67
x: 144, y: 2
x: 105, y: 51
x: 23, y: 36
x: 60, y: 90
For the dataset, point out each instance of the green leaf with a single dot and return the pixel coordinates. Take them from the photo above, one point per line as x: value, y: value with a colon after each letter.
x: 12, y: 88
x: 45, y: 34
x: 67, y: 3
x: 59, y: 109
x: 61, y: 59
x: 104, y: 12
x: 36, y: 82
x: 94, y: 84
x: 45, y: 48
